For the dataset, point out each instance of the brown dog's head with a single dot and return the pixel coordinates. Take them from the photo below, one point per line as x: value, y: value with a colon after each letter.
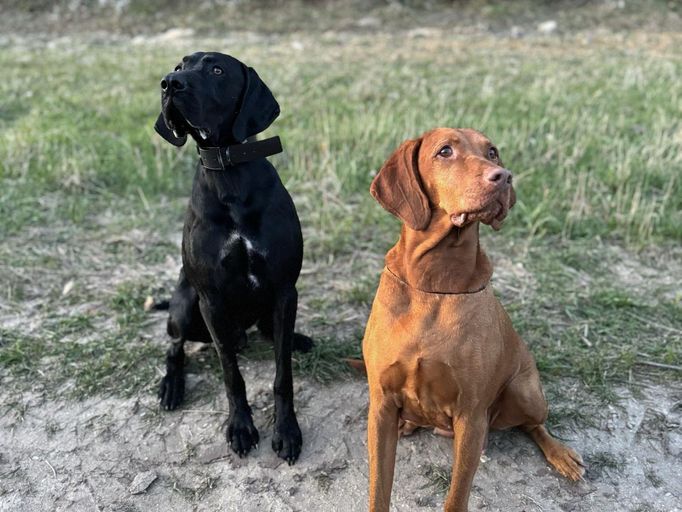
x: 455, y: 170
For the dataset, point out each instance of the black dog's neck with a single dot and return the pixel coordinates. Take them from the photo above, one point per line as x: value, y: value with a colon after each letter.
x: 225, y: 158
x: 227, y: 187
x: 217, y: 141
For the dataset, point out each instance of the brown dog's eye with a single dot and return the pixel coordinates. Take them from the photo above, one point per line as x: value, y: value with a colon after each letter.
x: 217, y: 70
x: 446, y: 152
x: 493, y: 154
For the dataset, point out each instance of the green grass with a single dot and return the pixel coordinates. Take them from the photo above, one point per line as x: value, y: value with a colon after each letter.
x: 594, y: 156
x: 591, y: 132
x: 81, y: 355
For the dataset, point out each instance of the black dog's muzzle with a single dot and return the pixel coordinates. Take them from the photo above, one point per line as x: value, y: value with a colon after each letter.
x: 221, y: 158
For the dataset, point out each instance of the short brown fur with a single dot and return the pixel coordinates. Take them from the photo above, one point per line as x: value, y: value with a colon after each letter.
x: 439, y: 348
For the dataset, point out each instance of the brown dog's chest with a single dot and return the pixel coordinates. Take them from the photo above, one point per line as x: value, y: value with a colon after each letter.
x: 439, y: 355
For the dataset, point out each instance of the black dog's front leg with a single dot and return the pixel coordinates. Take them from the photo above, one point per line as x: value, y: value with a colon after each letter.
x: 241, y: 433
x: 287, y: 439
x: 172, y: 388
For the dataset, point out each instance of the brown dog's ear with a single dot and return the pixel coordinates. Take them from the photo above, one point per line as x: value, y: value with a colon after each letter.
x: 398, y: 189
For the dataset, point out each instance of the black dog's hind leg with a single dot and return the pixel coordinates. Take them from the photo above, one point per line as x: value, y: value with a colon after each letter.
x: 241, y: 433
x: 172, y: 388
x: 287, y: 439
x: 302, y: 343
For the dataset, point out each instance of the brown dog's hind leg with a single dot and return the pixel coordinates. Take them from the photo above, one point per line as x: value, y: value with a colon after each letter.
x: 522, y: 404
x: 564, y: 459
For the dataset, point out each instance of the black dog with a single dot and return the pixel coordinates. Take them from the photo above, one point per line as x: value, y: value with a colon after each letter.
x: 242, y: 246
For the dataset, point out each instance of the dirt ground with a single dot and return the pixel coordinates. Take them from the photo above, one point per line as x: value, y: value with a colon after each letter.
x: 126, y: 455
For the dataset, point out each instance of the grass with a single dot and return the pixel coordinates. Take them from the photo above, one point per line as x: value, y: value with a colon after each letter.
x: 438, y: 478
x: 83, y: 354
x: 89, y: 193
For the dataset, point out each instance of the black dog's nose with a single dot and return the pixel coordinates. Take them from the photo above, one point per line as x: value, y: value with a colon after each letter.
x: 174, y: 82
x: 499, y: 176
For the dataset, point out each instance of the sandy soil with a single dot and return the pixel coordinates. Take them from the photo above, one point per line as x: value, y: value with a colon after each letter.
x: 127, y: 455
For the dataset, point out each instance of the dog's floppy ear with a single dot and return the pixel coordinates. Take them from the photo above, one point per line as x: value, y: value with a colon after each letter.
x: 398, y: 189
x: 167, y: 133
x: 258, y: 107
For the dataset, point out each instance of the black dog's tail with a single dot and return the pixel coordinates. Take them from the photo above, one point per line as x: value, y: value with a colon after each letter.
x: 164, y: 305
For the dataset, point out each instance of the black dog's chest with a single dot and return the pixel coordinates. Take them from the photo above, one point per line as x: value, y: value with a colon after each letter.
x: 243, y: 259
x: 227, y: 258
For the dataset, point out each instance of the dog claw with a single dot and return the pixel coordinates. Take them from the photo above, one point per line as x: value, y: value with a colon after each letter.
x: 242, y: 436
x: 171, y: 392
x: 287, y: 440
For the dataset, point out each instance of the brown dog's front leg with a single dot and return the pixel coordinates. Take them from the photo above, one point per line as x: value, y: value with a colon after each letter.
x: 470, y: 433
x: 382, y: 439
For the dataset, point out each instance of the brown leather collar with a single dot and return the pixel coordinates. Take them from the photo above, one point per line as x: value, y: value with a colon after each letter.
x: 395, y: 276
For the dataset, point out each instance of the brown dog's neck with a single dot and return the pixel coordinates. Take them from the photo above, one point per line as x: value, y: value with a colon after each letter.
x: 442, y: 258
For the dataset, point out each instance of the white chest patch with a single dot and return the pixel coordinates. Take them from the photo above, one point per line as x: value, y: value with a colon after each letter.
x: 250, y: 251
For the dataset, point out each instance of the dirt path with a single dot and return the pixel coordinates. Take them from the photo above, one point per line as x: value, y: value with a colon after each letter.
x: 81, y: 456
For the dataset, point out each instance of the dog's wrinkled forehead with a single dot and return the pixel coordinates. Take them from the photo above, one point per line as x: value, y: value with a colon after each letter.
x: 463, y: 140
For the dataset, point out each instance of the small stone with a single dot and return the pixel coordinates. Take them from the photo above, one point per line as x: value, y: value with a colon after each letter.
x: 67, y: 288
x: 548, y: 27
x: 368, y: 22
x: 142, y: 481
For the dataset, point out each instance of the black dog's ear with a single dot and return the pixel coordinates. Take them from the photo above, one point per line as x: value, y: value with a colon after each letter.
x: 258, y: 107
x: 167, y: 133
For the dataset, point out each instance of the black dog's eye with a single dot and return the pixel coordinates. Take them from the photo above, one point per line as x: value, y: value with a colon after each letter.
x: 178, y: 68
x: 446, y: 152
x: 217, y: 70
x: 493, y: 154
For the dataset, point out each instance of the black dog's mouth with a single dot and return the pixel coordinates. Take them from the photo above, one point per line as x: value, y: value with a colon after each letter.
x: 173, y: 118
x: 177, y: 121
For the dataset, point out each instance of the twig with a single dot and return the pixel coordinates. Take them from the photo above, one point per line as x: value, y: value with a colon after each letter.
x: 655, y: 324
x: 661, y: 365
x: 54, y: 473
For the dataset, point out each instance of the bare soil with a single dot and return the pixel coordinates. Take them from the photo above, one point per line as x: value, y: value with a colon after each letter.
x: 64, y: 455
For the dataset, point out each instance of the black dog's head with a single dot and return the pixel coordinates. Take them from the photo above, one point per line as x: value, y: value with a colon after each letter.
x: 216, y: 99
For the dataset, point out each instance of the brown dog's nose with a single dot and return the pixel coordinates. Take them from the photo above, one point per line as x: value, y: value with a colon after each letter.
x: 499, y: 176
x: 172, y: 81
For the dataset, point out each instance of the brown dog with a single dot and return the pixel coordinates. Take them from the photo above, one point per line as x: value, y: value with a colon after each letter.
x: 439, y: 348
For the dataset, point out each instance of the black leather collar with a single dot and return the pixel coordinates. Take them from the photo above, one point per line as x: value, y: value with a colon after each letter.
x: 221, y: 158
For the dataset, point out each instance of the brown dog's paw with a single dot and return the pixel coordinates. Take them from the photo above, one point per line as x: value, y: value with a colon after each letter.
x: 567, y: 461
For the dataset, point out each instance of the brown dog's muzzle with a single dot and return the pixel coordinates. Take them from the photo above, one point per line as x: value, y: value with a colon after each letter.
x: 497, y: 185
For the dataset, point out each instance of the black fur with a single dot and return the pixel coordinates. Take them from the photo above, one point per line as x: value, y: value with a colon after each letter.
x: 242, y: 246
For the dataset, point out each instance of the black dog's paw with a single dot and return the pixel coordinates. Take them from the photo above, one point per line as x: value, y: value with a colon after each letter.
x: 242, y: 436
x: 171, y: 391
x: 287, y: 440
x: 302, y: 343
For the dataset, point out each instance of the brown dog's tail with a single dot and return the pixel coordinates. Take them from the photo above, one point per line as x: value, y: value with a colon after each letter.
x: 357, y: 364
